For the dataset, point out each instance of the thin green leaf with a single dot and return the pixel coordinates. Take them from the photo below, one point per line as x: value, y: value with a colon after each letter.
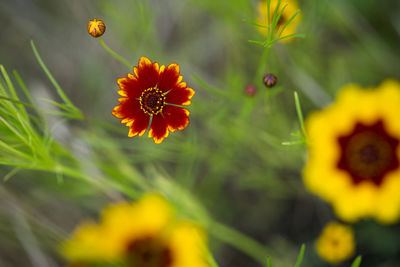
x: 60, y: 92
x: 356, y: 262
x: 301, y: 256
x: 9, y: 83
x: 269, y: 264
x: 11, y: 174
x: 254, y: 23
x: 269, y: 16
x: 63, y: 114
x: 14, y: 151
x: 274, y: 21
x: 257, y: 42
x: 208, y: 87
x: 15, y: 131
x: 23, y: 87
x: 16, y: 101
x: 55, y: 103
x: 288, y: 22
x: 299, y: 35
x: 278, y: 17
x: 299, y: 113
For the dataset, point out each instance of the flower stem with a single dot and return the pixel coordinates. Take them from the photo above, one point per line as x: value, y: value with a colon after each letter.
x: 240, y: 241
x: 114, y: 54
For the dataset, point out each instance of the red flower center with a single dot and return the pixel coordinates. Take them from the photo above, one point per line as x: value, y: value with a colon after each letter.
x: 148, y: 252
x: 152, y: 101
x: 368, y: 153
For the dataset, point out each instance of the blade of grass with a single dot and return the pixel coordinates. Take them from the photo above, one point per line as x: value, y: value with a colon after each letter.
x: 274, y: 21
x: 239, y: 241
x: 23, y: 86
x: 288, y: 22
x: 15, y: 131
x: 278, y: 17
x: 356, y: 262
x: 257, y: 42
x: 10, y: 85
x: 269, y: 264
x: 14, y: 151
x: 254, y: 23
x: 299, y: 113
x: 55, y: 103
x: 60, y: 92
x: 17, y: 101
x: 301, y: 255
x: 208, y: 87
x: 11, y: 174
x: 299, y: 35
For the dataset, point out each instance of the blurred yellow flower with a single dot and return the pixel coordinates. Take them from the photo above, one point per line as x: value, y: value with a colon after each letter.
x: 145, y: 234
x: 289, y: 11
x: 336, y: 243
x: 354, y: 153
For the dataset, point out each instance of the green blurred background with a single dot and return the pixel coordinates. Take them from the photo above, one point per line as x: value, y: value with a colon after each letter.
x: 231, y: 156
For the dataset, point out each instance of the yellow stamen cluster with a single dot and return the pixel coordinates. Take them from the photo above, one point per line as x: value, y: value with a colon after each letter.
x: 152, y: 101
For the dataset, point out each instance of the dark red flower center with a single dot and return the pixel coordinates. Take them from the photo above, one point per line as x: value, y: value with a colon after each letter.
x: 368, y: 153
x: 152, y: 101
x: 148, y: 252
x: 281, y: 21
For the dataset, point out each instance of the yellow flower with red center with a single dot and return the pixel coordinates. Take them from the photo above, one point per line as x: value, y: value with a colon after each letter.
x: 96, y: 27
x: 152, y: 97
x: 336, y: 243
x: 354, y: 153
x: 291, y: 8
x: 145, y: 233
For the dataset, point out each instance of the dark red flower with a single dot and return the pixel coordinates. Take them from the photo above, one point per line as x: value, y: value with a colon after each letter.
x: 152, y: 98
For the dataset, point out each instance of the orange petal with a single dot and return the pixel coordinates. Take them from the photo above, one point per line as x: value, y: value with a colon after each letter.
x: 177, y: 118
x: 147, y: 73
x: 180, y: 95
x: 169, y: 77
x: 158, y: 129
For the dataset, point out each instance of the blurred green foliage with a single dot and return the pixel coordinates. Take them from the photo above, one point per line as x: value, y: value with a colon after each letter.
x: 229, y: 166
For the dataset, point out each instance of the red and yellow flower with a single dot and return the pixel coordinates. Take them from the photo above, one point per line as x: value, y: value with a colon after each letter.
x: 152, y: 97
x: 354, y: 153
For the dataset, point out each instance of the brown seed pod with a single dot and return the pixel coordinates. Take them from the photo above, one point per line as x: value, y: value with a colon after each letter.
x: 270, y: 80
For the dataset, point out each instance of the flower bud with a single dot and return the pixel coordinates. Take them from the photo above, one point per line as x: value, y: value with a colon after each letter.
x: 270, y: 80
x: 96, y: 28
x: 250, y: 90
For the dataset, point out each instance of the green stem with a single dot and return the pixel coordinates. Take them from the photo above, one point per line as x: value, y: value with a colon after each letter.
x: 301, y: 255
x: 300, y: 114
x: 261, y: 66
x: 114, y: 54
x: 239, y: 241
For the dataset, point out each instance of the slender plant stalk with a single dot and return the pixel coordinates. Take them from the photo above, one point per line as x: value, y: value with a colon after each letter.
x: 240, y: 241
x: 114, y: 54
x: 300, y: 113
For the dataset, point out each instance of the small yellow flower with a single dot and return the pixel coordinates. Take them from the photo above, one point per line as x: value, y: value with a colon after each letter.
x: 354, y: 153
x: 336, y: 243
x: 145, y: 234
x: 289, y: 11
x: 96, y: 27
